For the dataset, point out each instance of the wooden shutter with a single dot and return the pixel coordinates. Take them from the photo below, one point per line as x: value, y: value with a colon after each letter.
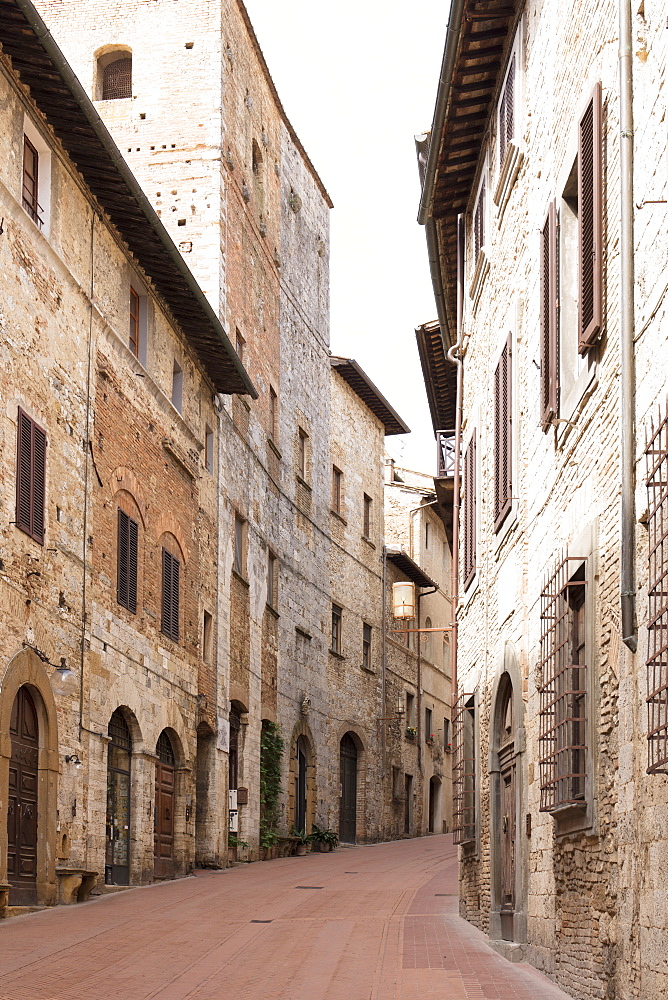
x: 549, y: 320
x: 30, y: 477
x: 479, y: 225
x: 507, y: 113
x: 127, y: 562
x: 503, y: 487
x: 170, y: 595
x: 469, y: 519
x: 590, y: 209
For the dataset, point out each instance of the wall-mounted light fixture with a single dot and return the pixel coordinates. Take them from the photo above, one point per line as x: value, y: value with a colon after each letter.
x: 73, y: 758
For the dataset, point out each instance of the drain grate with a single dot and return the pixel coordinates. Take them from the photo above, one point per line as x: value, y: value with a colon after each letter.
x: 260, y: 921
x: 309, y: 887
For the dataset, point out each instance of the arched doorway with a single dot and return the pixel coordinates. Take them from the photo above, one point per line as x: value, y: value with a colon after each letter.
x: 163, y: 835
x: 205, y: 852
x: 348, y: 800
x: 301, y: 774
x: 119, y: 756
x: 507, y: 807
x: 434, y: 804
x: 22, y: 811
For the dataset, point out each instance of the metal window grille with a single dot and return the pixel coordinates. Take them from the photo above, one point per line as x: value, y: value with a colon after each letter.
x: 479, y: 225
x: 446, y: 441
x: 165, y: 750
x: 463, y: 771
x: 117, y: 79
x: 656, y: 457
x: 562, y: 739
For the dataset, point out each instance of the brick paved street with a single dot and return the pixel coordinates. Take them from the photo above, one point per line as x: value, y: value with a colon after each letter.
x: 368, y: 922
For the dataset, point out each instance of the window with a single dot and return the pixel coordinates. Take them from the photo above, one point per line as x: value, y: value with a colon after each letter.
x: 479, y: 225
x: 428, y: 733
x: 241, y: 347
x: 503, y: 480
x: 367, y: 516
x: 207, y: 637
x: 337, y: 489
x: 116, y: 76
x: 273, y: 415
x: 134, y: 322
x: 30, y: 477
x: 366, y: 646
x: 272, y: 580
x: 177, y: 387
x: 301, y: 452
x: 656, y: 457
x: 428, y: 645
x: 239, y: 545
x: 171, y: 568
x: 410, y: 708
x: 507, y: 112
x: 31, y: 182
x: 126, y: 589
x: 563, y: 691
x: 208, y: 449
x: 336, y: 628
x: 446, y: 733
x: 470, y: 513
x: 426, y: 534
x: 590, y: 230
x: 464, y: 770
x: 549, y: 320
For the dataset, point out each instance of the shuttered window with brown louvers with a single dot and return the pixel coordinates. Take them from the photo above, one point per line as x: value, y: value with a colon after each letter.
x: 503, y: 478
x: 463, y: 770
x: 549, y: 320
x: 170, y: 595
x: 30, y: 477
x: 590, y: 209
x: 479, y: 225
x: 117, y: 79
x: 469, y: 518
x: 507, y: 113
x: 127, y: 562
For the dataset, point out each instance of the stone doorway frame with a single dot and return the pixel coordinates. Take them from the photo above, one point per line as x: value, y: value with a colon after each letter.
x: 26, y: 669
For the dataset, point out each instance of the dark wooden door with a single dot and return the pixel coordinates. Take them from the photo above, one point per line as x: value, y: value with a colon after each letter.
x: 300, y: 786
x: 22, y: 803
x: 508, y: 840
x: 117, y: 854
x: 163, y: 838
x: 348, y: 800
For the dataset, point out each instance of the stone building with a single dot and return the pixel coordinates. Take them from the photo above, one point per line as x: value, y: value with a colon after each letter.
x: 417, y: 705
x: 536, y: 217
x: 208, y: 581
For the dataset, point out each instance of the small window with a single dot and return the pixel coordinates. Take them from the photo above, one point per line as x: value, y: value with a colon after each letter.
x: 503, y: 439
x: 428, y: 644
x: 207, y: 637
x: 134, y: 322
x: 171, y: 571
x: 241, y: 347
x: 367, y: 516
x: 410, y: 709
x: 31, y: 182
x: 446, y: 733
x: 366, y: 646
x: 507, y: 112
x: 273, y: 415
x: 117, y: 78
x: 337, y: 489
x: 126, y: 590
x: 302, y: 445
x: 427, y: 526
x: 479, y: 225
x: 177, y: 386
x: 428, y: 722
x: 208, y: 449
x: 272, y: 580
x: 337, y: 614
x: 239, y: 545
x: 30, y: 477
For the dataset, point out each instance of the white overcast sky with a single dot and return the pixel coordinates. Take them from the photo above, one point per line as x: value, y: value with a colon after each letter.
x: 358, y: 80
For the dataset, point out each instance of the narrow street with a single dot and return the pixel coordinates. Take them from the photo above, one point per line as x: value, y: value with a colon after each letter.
x: 368, y: 922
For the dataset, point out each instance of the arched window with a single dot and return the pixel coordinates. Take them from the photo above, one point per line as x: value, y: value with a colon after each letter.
x: 428, y: 646
x: 117, y: 78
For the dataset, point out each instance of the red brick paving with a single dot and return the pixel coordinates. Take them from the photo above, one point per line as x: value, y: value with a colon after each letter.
x: 384, y: 926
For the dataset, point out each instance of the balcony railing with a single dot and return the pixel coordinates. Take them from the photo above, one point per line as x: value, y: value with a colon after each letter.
x: 445, y: 441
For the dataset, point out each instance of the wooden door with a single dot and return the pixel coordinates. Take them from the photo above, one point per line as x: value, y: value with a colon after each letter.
x: 348, y: 800
x: 163, y: 836
x: 22, y: 801
x: 300, y: 787
x: 117, y: 853
x: 508, y: 840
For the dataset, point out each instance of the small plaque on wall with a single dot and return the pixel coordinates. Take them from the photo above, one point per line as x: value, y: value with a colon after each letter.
x: 242, y: 796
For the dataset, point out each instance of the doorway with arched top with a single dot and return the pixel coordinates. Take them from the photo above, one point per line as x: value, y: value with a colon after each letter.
x: 22, y: 804
x: 119, y: 767
x: 165, y: 802
x: 434, y: 812
x: 348, y: 790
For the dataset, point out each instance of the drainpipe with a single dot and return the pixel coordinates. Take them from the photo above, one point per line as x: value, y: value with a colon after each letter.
x: 454, y: 356
x: 627, y: 358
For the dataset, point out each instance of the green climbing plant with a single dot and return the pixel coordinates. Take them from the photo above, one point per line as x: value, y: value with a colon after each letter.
x: 271, y: 756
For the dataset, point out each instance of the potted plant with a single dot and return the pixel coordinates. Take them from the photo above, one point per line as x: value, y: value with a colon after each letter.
x: 233, y: 845
x: 268, y: 842
x: 301, y: 842
x: 411, y: 732
x: 430, y: 740
x: 324, y: 840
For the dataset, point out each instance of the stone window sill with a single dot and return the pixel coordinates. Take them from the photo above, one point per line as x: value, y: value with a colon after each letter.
x: 272, y: 610
x: 340, y: 517
x: 336, y: 655
x: 303, y: 483
x: 508, y: 175
x: 274, y: 447
x: 240, y: 578
x: 366, y: 539
x: 478, y: 280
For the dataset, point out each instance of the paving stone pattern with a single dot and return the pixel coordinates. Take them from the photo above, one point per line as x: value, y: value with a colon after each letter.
x: 364, y: 923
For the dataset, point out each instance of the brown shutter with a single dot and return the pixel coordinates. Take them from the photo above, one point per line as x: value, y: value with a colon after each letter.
x: 549, y: 320
x: 30, y: 477
x: 469, y: 519
x: 507, y: 113
x: 170, y: 595
x: 503, y: 487
x: 590, y: 272
x: 127, y: 562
